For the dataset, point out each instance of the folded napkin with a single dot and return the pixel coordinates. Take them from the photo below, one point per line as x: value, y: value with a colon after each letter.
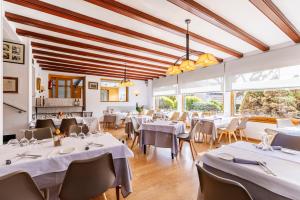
x: 276, y: 147
x: 244, y: 161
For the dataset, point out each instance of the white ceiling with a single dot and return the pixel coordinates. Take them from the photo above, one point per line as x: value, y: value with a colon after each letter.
x: 239, y: 12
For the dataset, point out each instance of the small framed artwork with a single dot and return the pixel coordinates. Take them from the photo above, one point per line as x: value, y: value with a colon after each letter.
x: 13, y: 52
x: 10, y: 84
x: 93, y: 85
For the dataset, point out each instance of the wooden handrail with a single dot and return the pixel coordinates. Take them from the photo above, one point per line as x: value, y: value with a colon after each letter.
x: 20, y: 110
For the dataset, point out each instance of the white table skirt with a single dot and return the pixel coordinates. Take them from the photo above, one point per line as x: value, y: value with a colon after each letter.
x: 285, y: 166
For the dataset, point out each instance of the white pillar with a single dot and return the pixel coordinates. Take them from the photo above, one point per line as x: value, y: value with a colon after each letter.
x: 30, y: 79
x: 1, y: 72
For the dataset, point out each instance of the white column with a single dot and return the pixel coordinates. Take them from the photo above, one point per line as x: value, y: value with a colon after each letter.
x: 1, y: 73
x: 30, y: 93
x: 179, y: 103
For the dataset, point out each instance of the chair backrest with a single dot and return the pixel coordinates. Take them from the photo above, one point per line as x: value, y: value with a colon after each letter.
x: 196, y: 129
x: 135, y: 124
x: 183, y: 116
x: 76, y: 129
x: 207, y: 127
x: 195, y: 114
x: 19, y: 186
x: 86, y: 179
x: 232, y: 126
x: 109, y: 118
x: 39, y: 133
x: 213, y: 187
x: 243, y: 123
x: 281, y: 123
x: 174, y: 116
x: 286, y: 141
x: 65, y: 125
x: 45, y: 123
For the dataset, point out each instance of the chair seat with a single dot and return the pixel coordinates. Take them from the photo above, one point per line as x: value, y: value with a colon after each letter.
x: 185, y: 136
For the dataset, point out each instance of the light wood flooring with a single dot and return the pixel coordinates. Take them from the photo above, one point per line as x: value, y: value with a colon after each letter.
x: 157, y: 177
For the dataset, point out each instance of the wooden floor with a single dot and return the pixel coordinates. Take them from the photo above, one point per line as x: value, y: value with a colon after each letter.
x: 157, y: 177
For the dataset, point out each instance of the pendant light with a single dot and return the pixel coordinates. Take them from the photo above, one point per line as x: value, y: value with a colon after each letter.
x: 126, y: 82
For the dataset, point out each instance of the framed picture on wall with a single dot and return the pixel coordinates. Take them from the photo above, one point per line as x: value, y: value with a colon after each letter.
x: 10, y: 84
x: 13, y: 52
x: 93, y: 85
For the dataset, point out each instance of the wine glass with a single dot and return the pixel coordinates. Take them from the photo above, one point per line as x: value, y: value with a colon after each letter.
x: 81, y: 134
x: 73, y: 135
x: 32, y: 139
x: 24, y: 142
x: 13, y: 142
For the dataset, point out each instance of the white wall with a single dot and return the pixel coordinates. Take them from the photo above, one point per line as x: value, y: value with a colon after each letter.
x: 93, y: 96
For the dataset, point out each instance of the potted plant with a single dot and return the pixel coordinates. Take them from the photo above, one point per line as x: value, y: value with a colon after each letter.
x: 139, y: 109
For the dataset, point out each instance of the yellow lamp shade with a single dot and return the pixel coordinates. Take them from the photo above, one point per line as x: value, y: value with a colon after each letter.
x: 173, y: 70
x: 126, y: 83
x: 187, y: 65
x: 206, y: 59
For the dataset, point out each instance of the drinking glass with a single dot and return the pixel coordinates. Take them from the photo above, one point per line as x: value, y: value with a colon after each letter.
x: 32, y: 139
x: 24, y: 142
x: 81, y: 134
x: 73, y: 135
x: 13, y: 142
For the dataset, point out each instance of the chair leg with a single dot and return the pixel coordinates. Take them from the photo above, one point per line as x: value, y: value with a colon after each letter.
x: 180, y: 144
x: 118, y: 192
x: 194, y: 149
x: 229, y: 137
x: 135, y: 136
x: 233, y: 133
x: 243, y: 132
x: 220, y: 137
x: 191, y: 147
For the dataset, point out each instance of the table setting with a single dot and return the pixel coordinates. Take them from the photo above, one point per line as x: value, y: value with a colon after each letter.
x: 267, y: 172
x: 47, y: 163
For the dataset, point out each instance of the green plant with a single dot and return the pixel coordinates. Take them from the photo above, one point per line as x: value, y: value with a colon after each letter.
x: 190, y: 101
x: 138, y: 108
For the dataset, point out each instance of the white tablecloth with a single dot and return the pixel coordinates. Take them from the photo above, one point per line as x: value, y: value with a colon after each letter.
x: 285, y: 166
x: 140, y: 119
x: 161, y: 134
x: 293, y: 130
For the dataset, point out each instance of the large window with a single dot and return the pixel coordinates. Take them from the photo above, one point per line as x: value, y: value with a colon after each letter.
x: 167, y: 103
x: 207, y: 102
x: 110, y: 91
x: 272, y: 103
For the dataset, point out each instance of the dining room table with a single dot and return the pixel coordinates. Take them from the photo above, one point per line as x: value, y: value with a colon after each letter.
x: 47, y: 164
x: 161, y: 133
x: 139, y: 118
x: 265, y: 174
x: 219, y: 122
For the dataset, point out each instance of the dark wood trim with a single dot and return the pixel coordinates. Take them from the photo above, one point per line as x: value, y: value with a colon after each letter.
x: 270, y: 10
x: 164, y: 25
x: 75, y: 33
x: 211, y: 17
x: 85, y: 46
x: 84, y: 19
x: 37, y: 52
x: 49, y: 60
x: 93, y: 55
x: 80, y: 68
x: 17, y: 84
x: 92, y: 73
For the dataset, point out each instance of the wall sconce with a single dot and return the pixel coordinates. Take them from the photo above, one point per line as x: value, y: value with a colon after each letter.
x: 136, y: 93
x: 42, y: 89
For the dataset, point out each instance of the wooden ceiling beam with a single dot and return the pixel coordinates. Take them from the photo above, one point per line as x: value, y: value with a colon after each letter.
x: 90, y: 21
x: 91, y: 73
x: 79, y: 34
x: 270, y: 10
x: 88, y: 65
x: 164, y: 25
x: 211, y: 17
x: 94, y: 55
x: 79, y: 68
x: 77, y: 58
x: 85, y: 46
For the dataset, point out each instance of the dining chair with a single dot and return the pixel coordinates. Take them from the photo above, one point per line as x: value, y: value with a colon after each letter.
x: 19, y: 186
x: 39, y: 133
x: 183, y: 117
x: 174, y: 116
x: 213, y: 187
x: 136, y: 131
x: 45, y: 123
x: 108, y: 120
x: 189, y: 137
x: 229, y: 130
x: 86, y: 179
x: 282, y: 123
x: 65, y: 125
x: 150, y: 113
x: 242, y: 127
x: 206, y: 130
x: 195, y: 114
x: 286, y: 141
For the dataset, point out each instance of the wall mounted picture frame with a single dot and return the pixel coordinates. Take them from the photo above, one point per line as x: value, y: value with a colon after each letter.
x: 13, y: 52
x: 93, y: 85
x: 10, y: 84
